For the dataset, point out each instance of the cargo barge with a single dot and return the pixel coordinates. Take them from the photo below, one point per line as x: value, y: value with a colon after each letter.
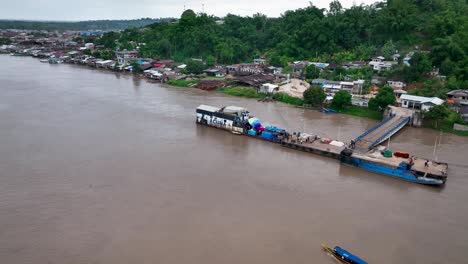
x: 238, y: 120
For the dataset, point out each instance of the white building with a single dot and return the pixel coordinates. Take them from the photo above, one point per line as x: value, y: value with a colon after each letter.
x: 419, y: 102
x: 396, y: 85
x: 89, y: 46
x: 259, y: 61
x: 125, y: 56
x: 379, y: 64
x: 268, y: 88
x: 104, y: 63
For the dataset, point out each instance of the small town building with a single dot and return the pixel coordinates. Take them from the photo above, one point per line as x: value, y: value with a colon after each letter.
x: 273, y: 70
x: 331, y: 87
x: 232, y: 68
x: 89, y: 46
x: 347, y: 86
x: 458, y: 95
x: 104, y: 63
x: 215, y: 72
x: 319, y: 82
x: 298, y: 66
x: 358, y: 86
x: 125, y: 56
x: 379, y: 64
x: 145, y: 66
x: 419, y: 102
x: 359, y: 101
x: 354, y: 64
x: 268, y: 88
x: 377, y: 80
x: 250, y: 68
x: 259, y: 61
x: 320, y: 65
x: 396, y: 85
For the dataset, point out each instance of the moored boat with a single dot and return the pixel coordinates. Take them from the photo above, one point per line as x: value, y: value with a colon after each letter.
x: 343, y: 256
x: 231, y: 118
x: 328, y: 110
x: 411, y: 169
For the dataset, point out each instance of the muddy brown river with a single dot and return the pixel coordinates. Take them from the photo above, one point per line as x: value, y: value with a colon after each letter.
x: 98, y: 167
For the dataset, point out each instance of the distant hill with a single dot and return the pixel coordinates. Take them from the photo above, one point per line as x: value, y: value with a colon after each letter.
x: 80, y: 25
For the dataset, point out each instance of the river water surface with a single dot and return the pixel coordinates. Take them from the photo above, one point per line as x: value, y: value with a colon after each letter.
x: 97, y: 167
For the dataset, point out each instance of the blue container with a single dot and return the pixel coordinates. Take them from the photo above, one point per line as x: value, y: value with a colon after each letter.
x: 348, y: 256
x: 267, y: 135
x: 252, y: 132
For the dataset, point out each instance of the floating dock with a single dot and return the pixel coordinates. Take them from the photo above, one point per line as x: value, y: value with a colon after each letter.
x: 315, y: 147
x: 362, y: 153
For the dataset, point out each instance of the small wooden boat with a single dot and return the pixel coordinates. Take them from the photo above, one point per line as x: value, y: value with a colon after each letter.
x: 343, y: 256
x: 328, y: 110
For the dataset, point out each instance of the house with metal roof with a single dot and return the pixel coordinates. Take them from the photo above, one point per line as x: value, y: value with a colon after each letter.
x: 419, y: 102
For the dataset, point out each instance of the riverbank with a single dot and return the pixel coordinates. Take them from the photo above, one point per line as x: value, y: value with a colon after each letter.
x: 249, y: 92
x: 364, y: 112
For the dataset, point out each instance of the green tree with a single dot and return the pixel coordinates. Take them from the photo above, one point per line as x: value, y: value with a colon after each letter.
x: 109, y: 39
x: 384, y: 98
x: 388, y: 49
x: 314, y: 96
x: 195, y: 67
x: 419, y: 65
x: 210, y: 61
x: 437, y: 113
x: 341, y: 99
x: 5, y: 41
x: 311, y: 72
x: 135, y: 68
x: 335, y: 7
x: 107, y: 55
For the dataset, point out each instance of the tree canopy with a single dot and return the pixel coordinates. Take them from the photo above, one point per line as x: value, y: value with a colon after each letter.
x: 195, y: 67
x: 384, y: 98
x: 314, y: 96
x: 341, y: 99
x: 80, y: 25
x: 436, y: 29
x: 437, y: 113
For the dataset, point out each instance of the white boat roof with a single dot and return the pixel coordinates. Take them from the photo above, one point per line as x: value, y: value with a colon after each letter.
x: 208, y: 108
x: 234, y: 109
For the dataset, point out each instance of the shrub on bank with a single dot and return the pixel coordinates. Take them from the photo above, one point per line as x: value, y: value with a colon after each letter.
x: 181, y: 83
x: 243, y: 92
x: 446, y: 125
x: 362, y: 112
x: 286, y: 98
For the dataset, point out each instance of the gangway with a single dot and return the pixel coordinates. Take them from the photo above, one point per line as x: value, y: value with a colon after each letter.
x: 381, y: 132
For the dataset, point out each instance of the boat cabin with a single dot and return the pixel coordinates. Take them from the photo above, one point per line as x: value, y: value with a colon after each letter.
x: 228, y: 117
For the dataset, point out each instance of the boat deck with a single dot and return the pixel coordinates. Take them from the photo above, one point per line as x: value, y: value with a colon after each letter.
x: 315, y: 146
x: 434, y: 168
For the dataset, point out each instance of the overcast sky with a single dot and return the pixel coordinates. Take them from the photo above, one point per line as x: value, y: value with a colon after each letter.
x: 128, y: 9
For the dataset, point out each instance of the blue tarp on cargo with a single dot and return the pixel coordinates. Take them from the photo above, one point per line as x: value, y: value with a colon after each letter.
x: 267, y: 135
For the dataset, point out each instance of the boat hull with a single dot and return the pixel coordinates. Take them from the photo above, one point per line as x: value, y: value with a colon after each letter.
x: 395, y: 172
